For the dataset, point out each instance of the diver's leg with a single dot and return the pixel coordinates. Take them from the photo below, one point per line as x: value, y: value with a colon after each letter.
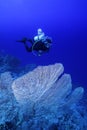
x: 28, y: 49
x: 31, y: 41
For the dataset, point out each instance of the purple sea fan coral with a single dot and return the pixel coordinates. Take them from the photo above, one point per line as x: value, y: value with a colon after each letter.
x: 43, y: 86
x: 42, y: 99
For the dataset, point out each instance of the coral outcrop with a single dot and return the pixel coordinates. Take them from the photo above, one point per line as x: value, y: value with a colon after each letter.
x: 8, y: 104
x: 13, y: 65
x: 47, y: 86
x: 41, y: 99
x: 47, y: 93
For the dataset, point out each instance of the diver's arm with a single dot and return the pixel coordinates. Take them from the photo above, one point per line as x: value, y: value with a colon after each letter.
x: 48, y: 39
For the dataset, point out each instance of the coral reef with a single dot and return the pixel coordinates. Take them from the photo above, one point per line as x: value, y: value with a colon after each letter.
x: 8, y: 104
x: 41, y: 99
x: 12, y: 64
x: 8, y: 62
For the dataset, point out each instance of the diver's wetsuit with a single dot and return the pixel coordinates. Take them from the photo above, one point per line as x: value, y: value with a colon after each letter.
x: 29, y: 49
x: 38, y: 45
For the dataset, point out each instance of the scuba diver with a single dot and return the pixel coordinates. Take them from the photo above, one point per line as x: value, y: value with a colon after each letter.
x: 39, y: 44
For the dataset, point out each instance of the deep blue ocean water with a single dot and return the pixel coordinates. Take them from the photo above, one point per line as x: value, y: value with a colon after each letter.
x: 63, y: 20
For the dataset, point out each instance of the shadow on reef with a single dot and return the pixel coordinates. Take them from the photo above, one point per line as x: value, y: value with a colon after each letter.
x: 39, y: 98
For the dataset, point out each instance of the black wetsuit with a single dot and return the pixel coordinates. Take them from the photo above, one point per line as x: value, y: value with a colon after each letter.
x: 42, y: 45
x: 38, y: 45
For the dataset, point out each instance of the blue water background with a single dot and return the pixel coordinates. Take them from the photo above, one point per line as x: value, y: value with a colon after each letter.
x: 64, y: 20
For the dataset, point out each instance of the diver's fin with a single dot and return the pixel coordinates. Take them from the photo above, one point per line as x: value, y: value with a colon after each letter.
x: 23, y: 40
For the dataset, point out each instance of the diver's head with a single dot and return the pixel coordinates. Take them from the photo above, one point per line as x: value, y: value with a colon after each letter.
x: 39, y: 31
